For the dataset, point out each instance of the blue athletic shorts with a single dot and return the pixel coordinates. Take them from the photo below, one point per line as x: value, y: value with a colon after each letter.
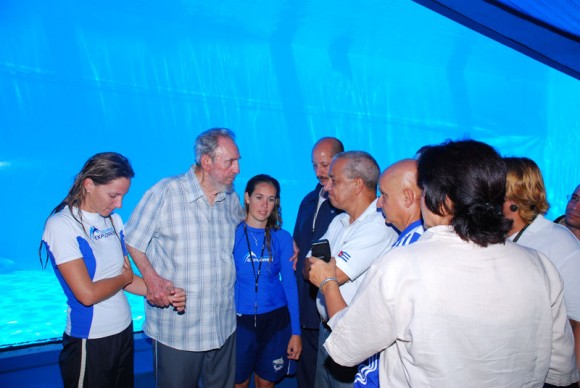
x: 262, y: 348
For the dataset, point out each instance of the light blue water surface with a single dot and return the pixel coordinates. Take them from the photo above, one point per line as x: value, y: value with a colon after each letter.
x: 33, y: 308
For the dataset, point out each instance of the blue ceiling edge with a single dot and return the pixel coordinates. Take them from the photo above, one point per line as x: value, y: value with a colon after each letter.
x: 545, y: 43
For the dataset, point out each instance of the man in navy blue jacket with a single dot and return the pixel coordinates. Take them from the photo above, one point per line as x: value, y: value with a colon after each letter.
x: 314, y: 215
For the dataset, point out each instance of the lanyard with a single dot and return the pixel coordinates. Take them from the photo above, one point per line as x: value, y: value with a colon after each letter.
x: 256, y: 275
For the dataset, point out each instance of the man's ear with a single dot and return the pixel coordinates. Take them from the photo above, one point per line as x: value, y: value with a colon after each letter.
x: 447, y: 206
x: 409, y: 197
x: 206, y: 162
x: 359, y: 185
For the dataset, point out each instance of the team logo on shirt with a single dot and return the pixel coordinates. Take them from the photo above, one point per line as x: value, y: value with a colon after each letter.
x: 344, y: 256
x: 97, y: 234
x: 253, y: 257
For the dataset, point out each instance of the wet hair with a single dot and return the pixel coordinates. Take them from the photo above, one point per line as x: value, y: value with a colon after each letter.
x: 101, y: 168
x: 466, y: 180
x: 361, y: 165
x: 275, y: 219
x: 525, y: 187
x: 207, y: 142
x: 336, y: 145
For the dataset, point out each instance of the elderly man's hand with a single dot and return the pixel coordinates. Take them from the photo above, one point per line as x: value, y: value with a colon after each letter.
x: 157, y: 290
x: 316, y: 270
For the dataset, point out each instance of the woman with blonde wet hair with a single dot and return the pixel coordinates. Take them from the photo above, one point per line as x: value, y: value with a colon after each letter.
x: 84, y: 241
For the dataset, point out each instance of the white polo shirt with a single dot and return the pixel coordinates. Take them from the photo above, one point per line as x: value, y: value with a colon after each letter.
x: 563, y: 249
x: 355, y: 246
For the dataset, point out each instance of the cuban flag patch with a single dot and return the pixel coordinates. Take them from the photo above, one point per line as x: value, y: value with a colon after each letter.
x: 344, y: 256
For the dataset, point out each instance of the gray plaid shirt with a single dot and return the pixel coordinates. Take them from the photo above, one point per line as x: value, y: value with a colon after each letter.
x: 189, y: 243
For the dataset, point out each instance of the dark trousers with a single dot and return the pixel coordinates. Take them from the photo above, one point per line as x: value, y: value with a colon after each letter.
x: 329, y: 374
x: 185, y: 369
x: 306, y: 367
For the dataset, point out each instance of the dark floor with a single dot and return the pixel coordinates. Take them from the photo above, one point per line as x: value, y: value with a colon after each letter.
x: 37, y: 366
x: 147, y: 381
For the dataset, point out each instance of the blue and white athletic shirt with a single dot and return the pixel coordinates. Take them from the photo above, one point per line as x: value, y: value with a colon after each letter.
x: 410, y: 234
x: 102, y: 250
x: 368, y: 371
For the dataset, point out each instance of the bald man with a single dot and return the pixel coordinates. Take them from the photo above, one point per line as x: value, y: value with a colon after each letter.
x: 400, y: 200
x: 314, y: 215
x: 400, y: 203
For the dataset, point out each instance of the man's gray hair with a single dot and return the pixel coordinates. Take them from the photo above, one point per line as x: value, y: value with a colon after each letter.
x: 361, y: 165
x: 207, y: 142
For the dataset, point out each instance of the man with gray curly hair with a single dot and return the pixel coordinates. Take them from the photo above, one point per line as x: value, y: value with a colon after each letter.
x: 182, y: 233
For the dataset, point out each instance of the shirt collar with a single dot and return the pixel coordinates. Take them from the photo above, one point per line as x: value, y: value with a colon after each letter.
x: 196, y: 191
x: 411, y: 226
x: 370, y: 210
x: 531, y: 227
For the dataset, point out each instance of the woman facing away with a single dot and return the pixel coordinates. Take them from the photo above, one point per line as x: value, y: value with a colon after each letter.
x: 526, y: 204
x: 268, y: 324
x: 461, y: 307
x: 84, y: 241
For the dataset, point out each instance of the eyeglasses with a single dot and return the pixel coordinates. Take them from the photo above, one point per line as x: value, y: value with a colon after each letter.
x: 573, y: 198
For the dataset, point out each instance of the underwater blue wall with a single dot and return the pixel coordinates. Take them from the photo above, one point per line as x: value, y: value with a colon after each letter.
x: 144, y: 78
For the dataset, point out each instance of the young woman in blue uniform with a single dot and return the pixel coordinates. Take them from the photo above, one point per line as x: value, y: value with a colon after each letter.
x: 268, y: 324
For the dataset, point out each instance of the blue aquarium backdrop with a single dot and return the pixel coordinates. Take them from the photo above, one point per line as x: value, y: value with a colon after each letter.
x: 145, y: 77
